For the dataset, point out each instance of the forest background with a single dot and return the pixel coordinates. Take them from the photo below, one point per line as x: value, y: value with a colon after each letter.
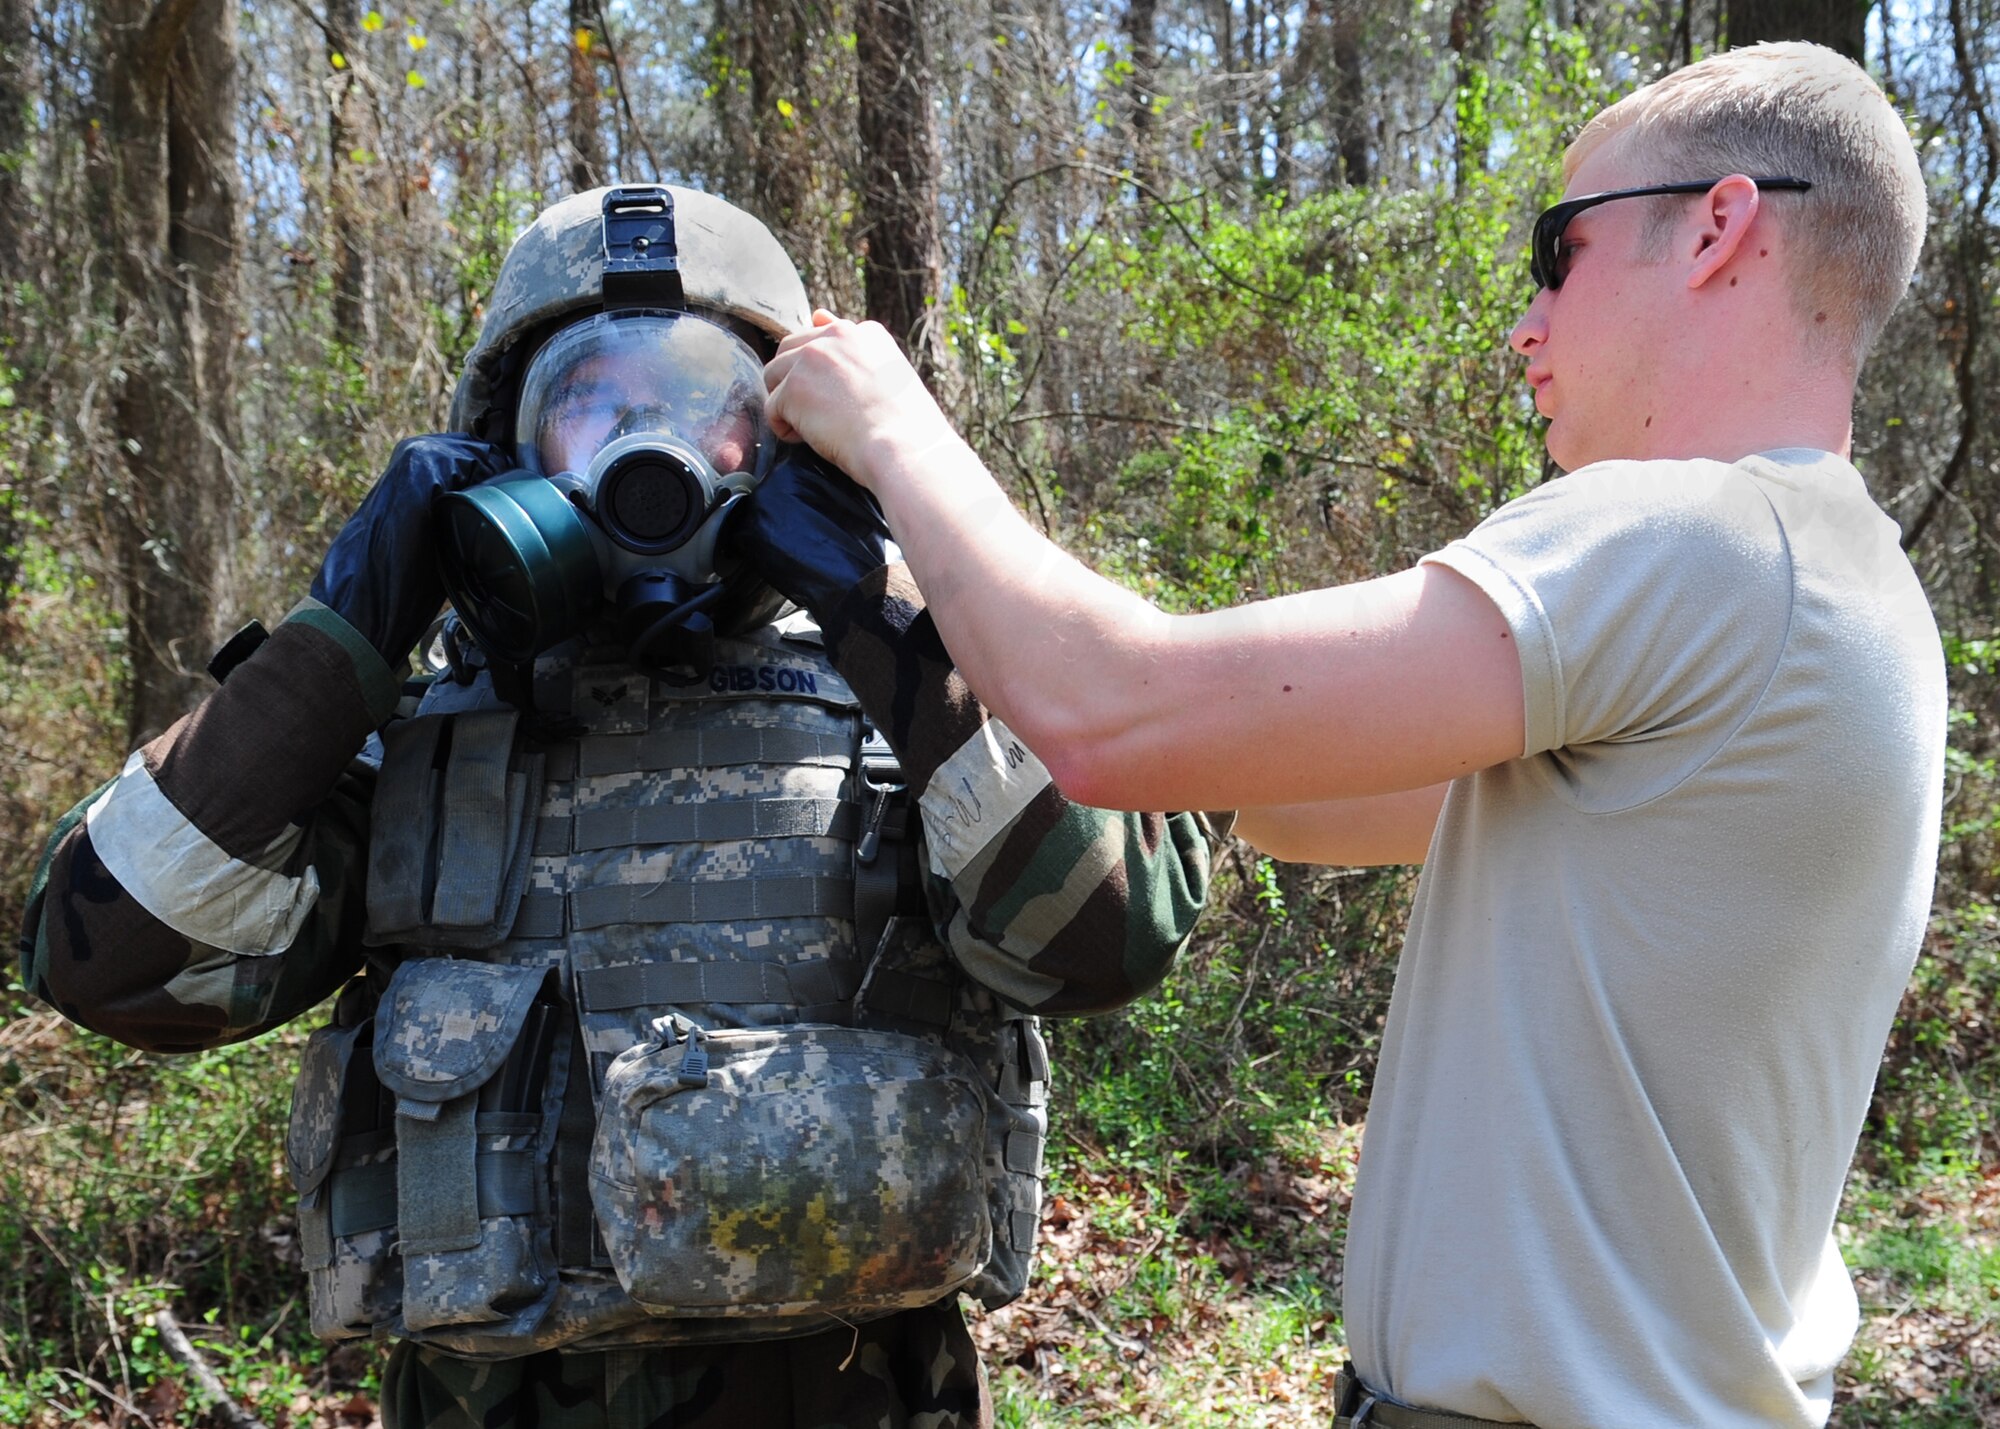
x: 1219, y: 287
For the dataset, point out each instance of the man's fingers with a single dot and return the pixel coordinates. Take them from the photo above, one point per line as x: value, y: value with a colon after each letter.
x: 803, y: 337
x: 783, y: 430
x: 779, y: 368
x: 824, y: 324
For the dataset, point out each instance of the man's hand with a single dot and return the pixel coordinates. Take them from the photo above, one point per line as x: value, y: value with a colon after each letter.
x: 846, y: 390
x: 380, y: 575
x: 809, y: 531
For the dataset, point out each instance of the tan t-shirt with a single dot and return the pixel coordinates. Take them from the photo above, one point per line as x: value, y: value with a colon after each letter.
x: 1653, y: 962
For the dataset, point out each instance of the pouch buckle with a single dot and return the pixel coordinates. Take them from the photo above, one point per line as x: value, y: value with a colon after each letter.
x: 881, y: 781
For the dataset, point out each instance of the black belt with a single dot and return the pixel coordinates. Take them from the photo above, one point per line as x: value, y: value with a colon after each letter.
x: 1356, y: 1406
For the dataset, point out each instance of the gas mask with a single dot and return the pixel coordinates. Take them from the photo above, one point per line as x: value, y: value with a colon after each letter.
x: 636, y: 428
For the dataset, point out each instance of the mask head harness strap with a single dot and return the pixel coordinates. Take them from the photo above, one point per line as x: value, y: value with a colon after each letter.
x: 642, y: 265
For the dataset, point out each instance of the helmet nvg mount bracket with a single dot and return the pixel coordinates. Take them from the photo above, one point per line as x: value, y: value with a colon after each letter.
x: 642, y: 263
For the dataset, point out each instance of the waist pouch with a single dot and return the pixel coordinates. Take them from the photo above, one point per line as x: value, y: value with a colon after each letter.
x: 800, y: 1170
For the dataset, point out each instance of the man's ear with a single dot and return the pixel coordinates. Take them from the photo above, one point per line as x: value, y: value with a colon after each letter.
x: 1727, y: 213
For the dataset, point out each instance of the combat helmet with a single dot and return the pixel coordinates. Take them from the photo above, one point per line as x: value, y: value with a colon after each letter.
x: 731, y: 267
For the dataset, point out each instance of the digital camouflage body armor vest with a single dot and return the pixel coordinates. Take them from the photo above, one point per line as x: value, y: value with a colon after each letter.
x: 632, y: 1077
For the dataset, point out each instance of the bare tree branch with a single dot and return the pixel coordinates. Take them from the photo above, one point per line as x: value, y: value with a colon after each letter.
x: 232, y: 1414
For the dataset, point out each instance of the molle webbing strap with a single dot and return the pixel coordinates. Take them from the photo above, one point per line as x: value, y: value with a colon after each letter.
x: 678, y: 984
x: 717, y: 822
x: 1024, y: 1066
x: 559, y: 762
x: 1024, y: 1153
x: 473, y: 849
x: 400, y: 826
x: 878, y: 887
x: 732, y: 901
x: 891, y: 992
x: 438, y: 1204
x: 882, y: 883
x: 316, y: 1234
x: 577, y: 1241
x: 364, y: 1197
x: 539, y: 916
x: 710, y: 749
x: 552, y: 835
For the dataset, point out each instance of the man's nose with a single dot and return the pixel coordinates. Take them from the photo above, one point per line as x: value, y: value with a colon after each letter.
x: 1532, y: 330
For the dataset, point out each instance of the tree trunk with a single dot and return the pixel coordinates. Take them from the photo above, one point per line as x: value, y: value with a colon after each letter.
x: 903, y: 271
x: 18, y: 82
x: 1970, y: 286
x: 168, y: 180
x: 19, y: 78
x: 1350, y: 92
x: 1838, y: 24
x: 586, y: 136
x: 800, y: 140
x: 1472, y: 42
x: 348, y: 163
x: 1142, y: 33
x: 781, y: 175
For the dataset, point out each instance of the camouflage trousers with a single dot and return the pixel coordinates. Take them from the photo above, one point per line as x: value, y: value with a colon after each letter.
x: 915, y: 1370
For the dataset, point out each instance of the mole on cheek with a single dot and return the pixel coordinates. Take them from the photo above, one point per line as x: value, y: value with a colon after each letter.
x: 1732, y: 282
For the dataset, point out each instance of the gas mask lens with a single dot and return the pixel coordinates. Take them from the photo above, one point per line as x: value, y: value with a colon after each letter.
x: 618, y: 376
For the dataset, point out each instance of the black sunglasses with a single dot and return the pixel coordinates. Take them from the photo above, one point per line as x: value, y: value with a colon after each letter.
x: 1549, y: 227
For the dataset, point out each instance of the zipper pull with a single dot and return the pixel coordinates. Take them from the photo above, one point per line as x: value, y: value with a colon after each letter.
x: 693, y: 1072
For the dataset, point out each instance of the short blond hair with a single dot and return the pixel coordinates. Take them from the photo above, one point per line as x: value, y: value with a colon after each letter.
x: 1807, y: 111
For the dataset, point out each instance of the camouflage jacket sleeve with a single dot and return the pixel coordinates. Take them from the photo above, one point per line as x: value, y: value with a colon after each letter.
x: 1059, y: 908
x: 214, y: 888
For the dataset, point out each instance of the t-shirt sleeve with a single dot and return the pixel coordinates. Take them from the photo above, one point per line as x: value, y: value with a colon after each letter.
x: 1649, y: 601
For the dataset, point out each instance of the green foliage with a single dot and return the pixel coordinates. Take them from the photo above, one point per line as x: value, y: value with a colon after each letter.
x: 60, y: 687
x: 134, y: 1184
x: 483, y: 222
x: 1933, y: 1112
x: 1343, y: 397
x: 1940, y: 1079
x: 1260, y: 1044
x: 1929, y: 1261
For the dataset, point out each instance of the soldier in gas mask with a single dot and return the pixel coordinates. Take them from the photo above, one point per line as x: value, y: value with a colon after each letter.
x: 690, y: 920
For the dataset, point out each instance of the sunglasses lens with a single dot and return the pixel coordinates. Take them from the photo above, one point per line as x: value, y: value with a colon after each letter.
x: 1542, y: 259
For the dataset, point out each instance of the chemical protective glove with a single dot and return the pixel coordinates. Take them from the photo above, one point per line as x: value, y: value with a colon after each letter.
x: 381, y: 573
x: 809, y: 531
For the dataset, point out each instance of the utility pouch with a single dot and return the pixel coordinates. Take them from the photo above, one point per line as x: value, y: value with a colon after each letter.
x: 463, y: 1046
x: 797, y: 1170
x: 342, y: 1157
x: 450, y: 833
